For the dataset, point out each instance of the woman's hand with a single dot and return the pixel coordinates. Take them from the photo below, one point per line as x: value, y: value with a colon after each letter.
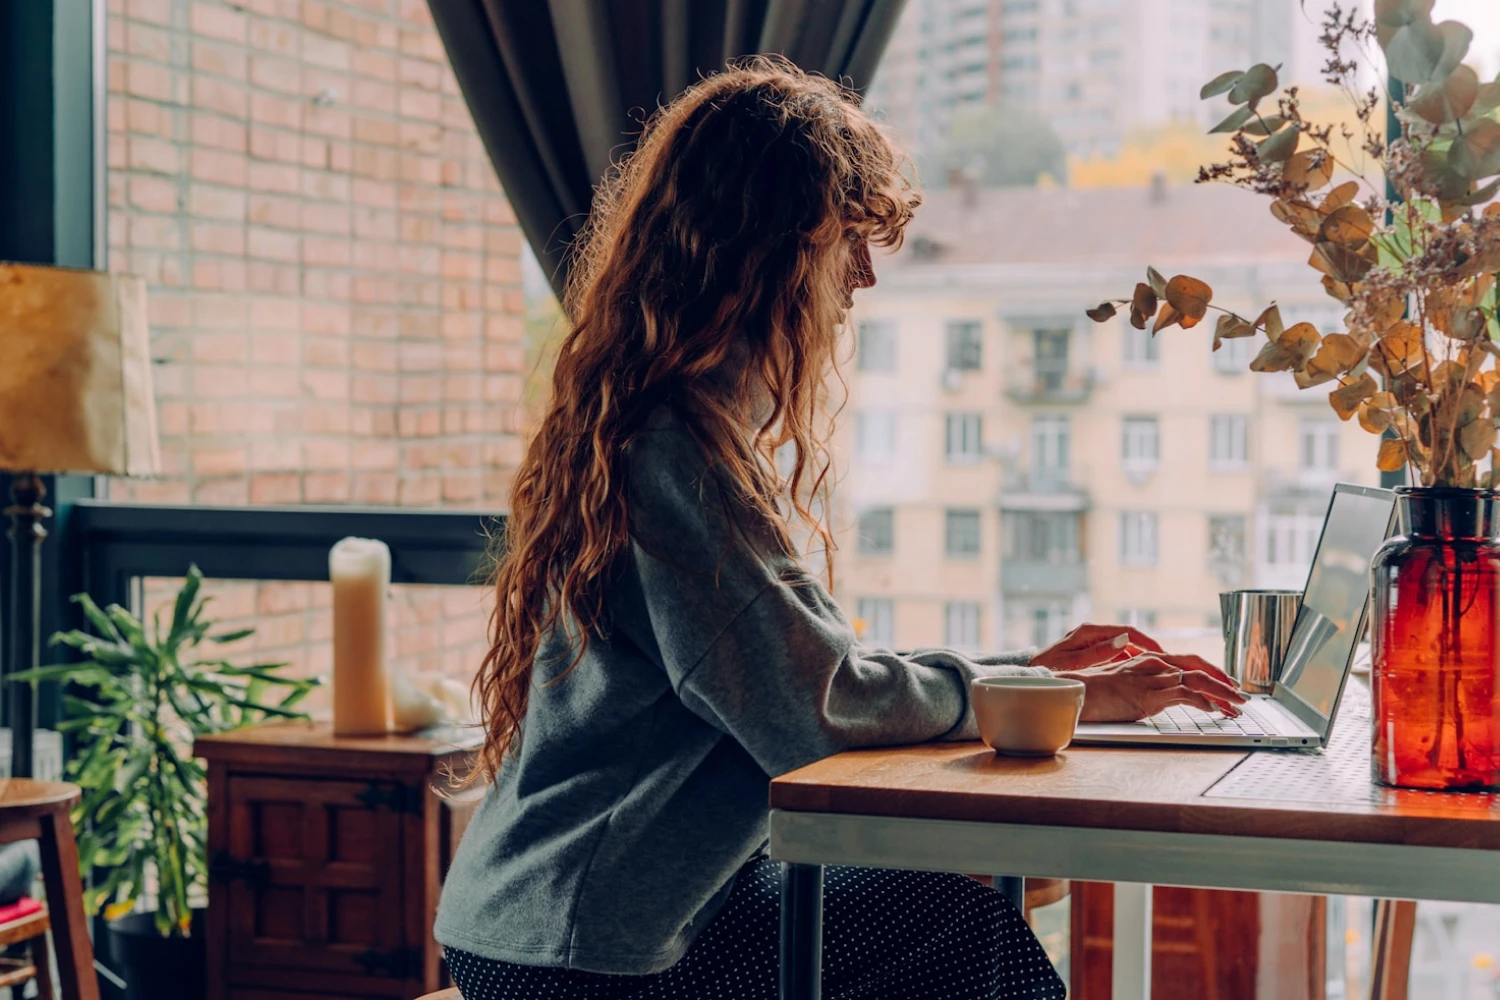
x: 1130, y: 690
x: 1092, y: 645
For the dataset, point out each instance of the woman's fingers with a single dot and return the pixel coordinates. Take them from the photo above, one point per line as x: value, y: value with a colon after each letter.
x: 1180, y: 695
x: 1213, y: 687
x: 1200, y: 664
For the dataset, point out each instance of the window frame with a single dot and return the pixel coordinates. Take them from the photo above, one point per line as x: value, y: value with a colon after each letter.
x: 872, y: 610
x: 964, y: 345
x: 1231, y: 462
x: 866, y: 540
x: 969, y: 616
x: 880, y: 334
x: 969, y: 425
x: 1140, y: 463
x: 953, y: 517
x: 1137, y: 528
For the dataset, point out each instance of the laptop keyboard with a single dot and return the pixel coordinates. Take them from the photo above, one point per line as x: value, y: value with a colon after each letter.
x: 1183, y: 719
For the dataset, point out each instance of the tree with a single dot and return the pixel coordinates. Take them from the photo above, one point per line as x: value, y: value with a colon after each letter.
x: 999, y: 146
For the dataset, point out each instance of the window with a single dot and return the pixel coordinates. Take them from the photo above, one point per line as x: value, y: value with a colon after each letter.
x: 1140, y: 446
x: 1142, y: 350
x: 875, y: 436
x: 877, y: 531
x: 1290, y: 542
x: 878, y: 616
x: 1234, y: 356
x: 1050, y: 354
x: 1319, y: 451
x: 877, y: 346
x: 961, y: 630
x: 1138, y: 618
x: 1228, y: 441
x: 1049, y: 622
x: 1226, y: 548
x: 964, y: 437
x: 1138, y: 538
x: 965, y: 345
x: 1042, y: 536
x: 961, y: 534
x: 1049, y: 451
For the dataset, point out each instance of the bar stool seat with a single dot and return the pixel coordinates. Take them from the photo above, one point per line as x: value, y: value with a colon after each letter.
x: 442, y: 995
x: 30, y: 929
x: 40, y: 811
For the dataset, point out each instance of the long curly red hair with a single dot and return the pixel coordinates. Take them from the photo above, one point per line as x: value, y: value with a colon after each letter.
x: 714, y: 276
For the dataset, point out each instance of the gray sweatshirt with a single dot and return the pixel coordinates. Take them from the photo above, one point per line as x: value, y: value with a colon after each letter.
x: 613, y: 836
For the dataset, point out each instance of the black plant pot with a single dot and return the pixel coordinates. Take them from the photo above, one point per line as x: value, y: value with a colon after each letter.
x: 155, y: 967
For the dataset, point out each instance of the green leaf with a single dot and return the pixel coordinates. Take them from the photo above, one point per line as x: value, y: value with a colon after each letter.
x: 80, y: 673
x: 99, y: 619
x: 1220, y: 84
x: 1279, y: 147
x: 1265, y: 126
x: 1257, y: 82
x: 1476, y: 153
x: 1423, y: 52
x: 1236, y: 120
x: 234, y: 636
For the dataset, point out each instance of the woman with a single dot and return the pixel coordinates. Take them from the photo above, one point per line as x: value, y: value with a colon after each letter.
x: 659, y: 651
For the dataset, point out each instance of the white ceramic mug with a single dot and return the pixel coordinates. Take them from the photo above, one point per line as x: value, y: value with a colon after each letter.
x: 1026, y: 716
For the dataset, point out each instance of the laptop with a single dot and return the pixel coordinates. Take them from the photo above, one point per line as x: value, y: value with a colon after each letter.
x: 1325, y: 642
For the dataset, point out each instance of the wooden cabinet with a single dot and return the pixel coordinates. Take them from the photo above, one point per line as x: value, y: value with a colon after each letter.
x: 326, y: 855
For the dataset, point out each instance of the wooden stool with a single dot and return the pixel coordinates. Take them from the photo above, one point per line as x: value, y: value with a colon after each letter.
x: 442, y: 995
x: 39, y: 810
x: 31, y: 929
x: 1043, y: 892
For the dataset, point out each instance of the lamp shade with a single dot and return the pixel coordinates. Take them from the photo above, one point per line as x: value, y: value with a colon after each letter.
x: 75, y: 373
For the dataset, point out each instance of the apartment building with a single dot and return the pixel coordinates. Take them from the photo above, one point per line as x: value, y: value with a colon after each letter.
x: 1093, y: 69
x: 1009, y: 468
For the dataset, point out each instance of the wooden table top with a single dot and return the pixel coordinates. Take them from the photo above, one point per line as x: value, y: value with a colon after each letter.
x: 1267, y: 793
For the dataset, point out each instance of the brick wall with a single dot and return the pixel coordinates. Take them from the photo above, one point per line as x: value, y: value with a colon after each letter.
x: 334, y: 280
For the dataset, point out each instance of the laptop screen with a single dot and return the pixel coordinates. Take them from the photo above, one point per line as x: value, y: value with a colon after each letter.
x: 1331, y: 621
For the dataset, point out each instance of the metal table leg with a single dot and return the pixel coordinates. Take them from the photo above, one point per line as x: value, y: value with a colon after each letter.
x: 801, y: 932
x: 1132, y: 951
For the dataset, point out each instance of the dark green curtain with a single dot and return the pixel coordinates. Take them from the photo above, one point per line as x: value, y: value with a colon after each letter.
x: 560, y: 87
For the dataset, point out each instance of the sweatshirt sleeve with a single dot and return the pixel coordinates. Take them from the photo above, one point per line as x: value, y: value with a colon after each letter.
x: 790, y: 683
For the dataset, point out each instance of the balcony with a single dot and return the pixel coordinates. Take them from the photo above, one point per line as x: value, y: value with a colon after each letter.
x: 1043, y: 489
x: 1033, y: 383
x: 1024, y: 576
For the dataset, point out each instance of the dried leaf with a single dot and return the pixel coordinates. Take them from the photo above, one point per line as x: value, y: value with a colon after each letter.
x: 1476, y: 438
x: 1142, y: 306
x: 1190, y: 297
x: 1220, y: 84
x: 1392, y: 455
x: 1341, y: 290
x: 1398, y: 349
x: 1231, y: 327
x: 1306, y: 378
x: 1470, y: 405
x: 1476, y: 153
x: 1346, y: 398
x: 1446, y: 100
x: 1374, y: 419
x: 1167, y: 317
x: 1343, y: 263
x: 1338, y: 353
x: 1302, y: 217
x: 1235, y: 121
x: 1340, y: 196
x: 1157, y: 282
x: 1258, y: 81
x: 1289, y: 351
x: 1311, y: 169
x: 1423, y: 52
x: 1270, y: 321
x: 1102, y: 312
x: 1349, y: 225
x: 1279, y: 147
x: 1467, y: 324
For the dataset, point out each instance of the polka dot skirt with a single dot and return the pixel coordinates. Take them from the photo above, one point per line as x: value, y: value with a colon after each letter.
x: 886, y: 934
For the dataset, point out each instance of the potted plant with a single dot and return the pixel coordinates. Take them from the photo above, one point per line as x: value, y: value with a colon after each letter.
x: 135, y: 703
x: 1414, y: 361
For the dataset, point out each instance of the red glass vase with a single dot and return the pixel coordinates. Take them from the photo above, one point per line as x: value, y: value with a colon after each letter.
x: 1435, y: 655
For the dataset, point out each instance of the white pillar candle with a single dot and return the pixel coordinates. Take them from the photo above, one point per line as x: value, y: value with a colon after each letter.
x: 360, y: 570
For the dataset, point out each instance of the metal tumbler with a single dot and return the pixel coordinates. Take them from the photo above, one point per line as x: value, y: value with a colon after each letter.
x: 1257, y: 627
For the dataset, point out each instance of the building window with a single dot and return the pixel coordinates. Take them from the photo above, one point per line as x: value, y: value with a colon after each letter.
x: 1049, y: 451
x: 1140, y: 444
x: 878, y: 616
x: 1138, y: 538
x: 965, y: 345
x: 961, y: 626
x: 1037, y: 536
x: 1050, y: 354
x: 1142, y: 350
x: 1234, y: 356
x: 1228, y: 441
x: 1226, y: 548
x: 875, y: 436
x: 1138, y: 618
x: 877, y: 346
x: 961, y: 534
x: 965, y: 444
x: 1049, y: 623
x: 877, y: 531
x: 1291, y: 540
x: 1319, y: 451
